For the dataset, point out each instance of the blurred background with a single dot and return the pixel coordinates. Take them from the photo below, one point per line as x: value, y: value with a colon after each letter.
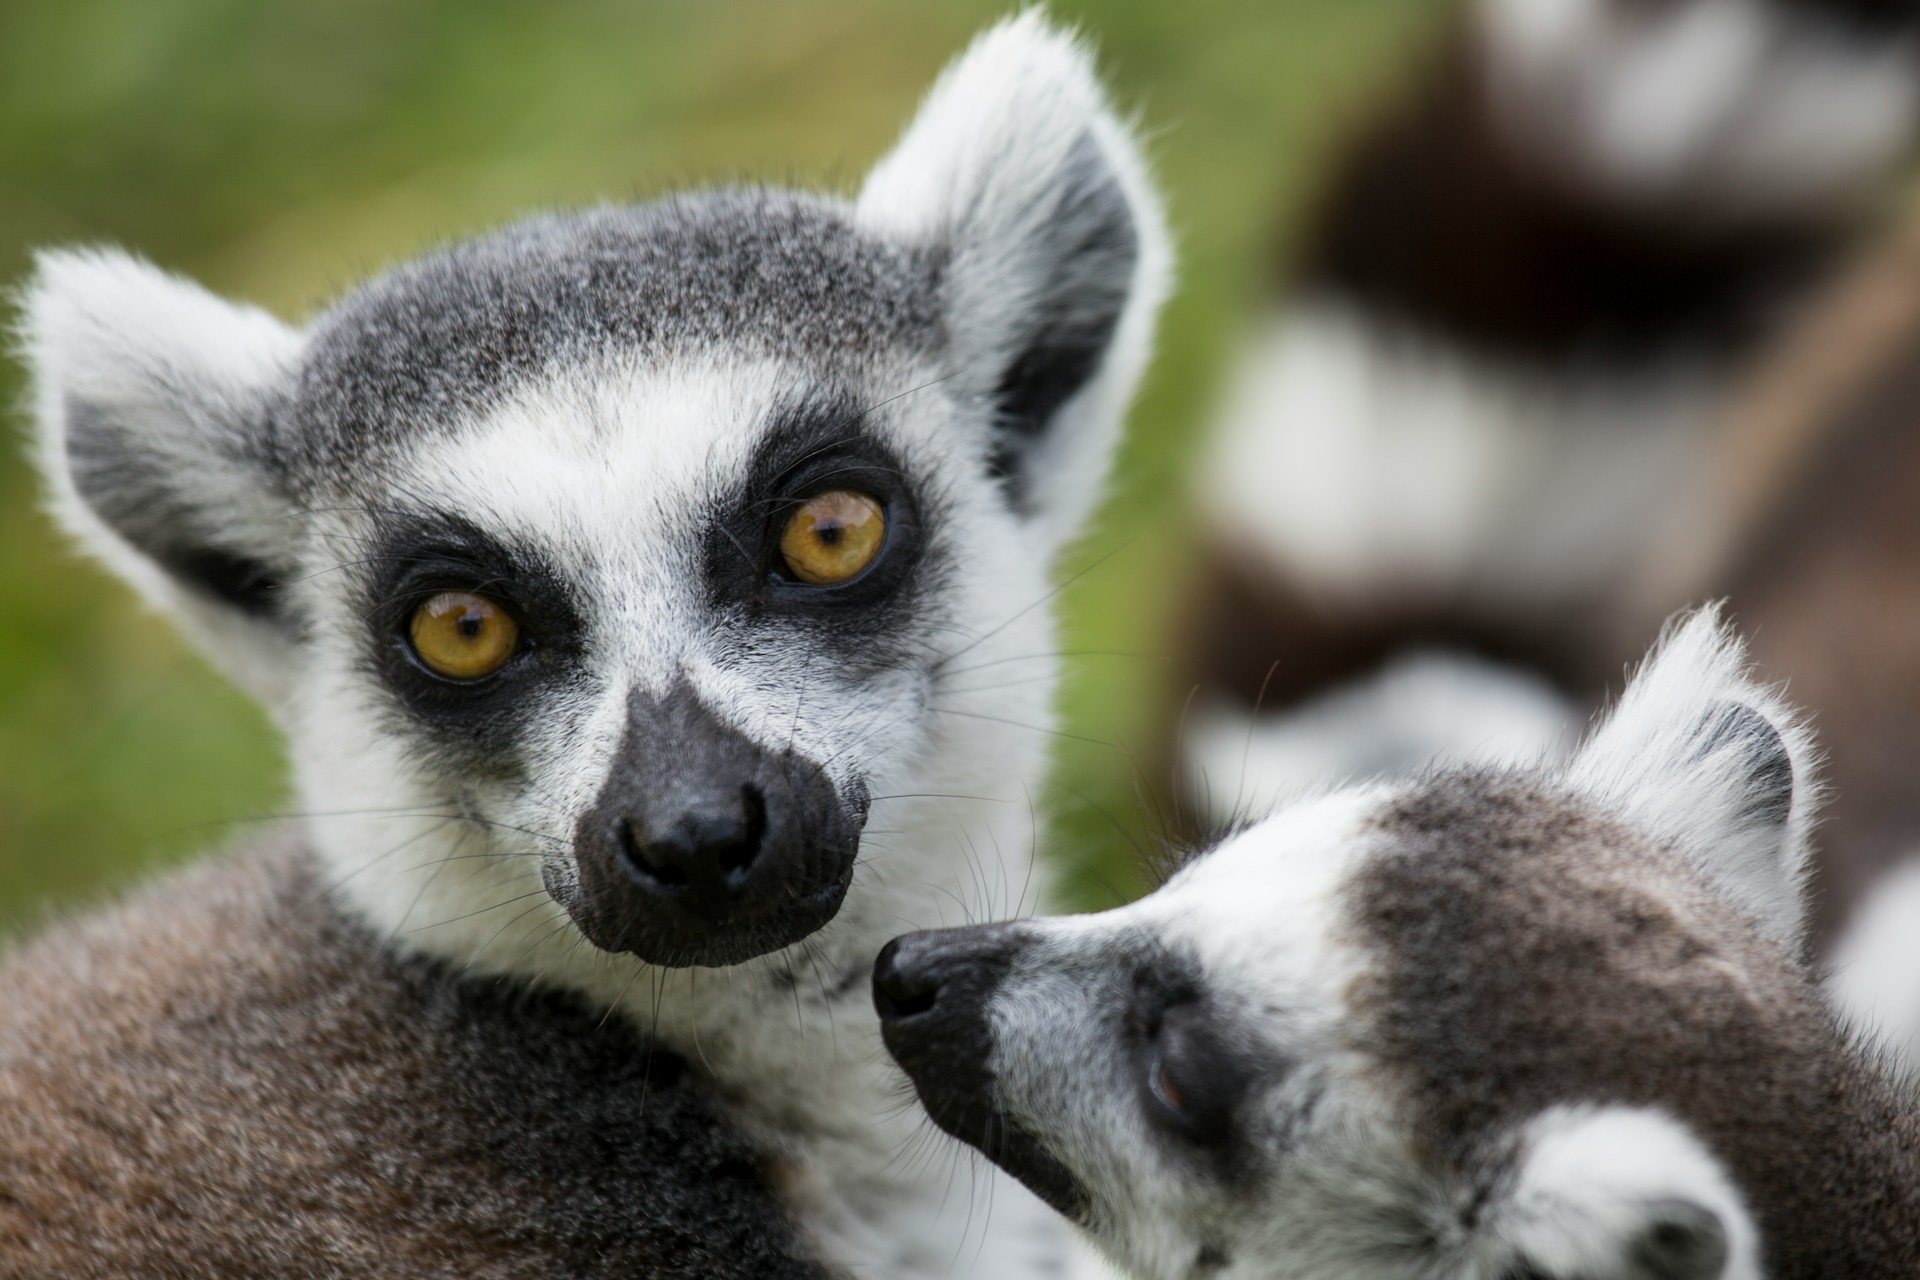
x: 279, y: 151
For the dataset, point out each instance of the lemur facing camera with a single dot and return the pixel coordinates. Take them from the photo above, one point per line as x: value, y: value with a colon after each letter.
x: 1527, y: 1024
x: 617, y: 578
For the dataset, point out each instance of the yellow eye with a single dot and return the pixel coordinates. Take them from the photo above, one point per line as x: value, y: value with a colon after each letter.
x: 463, y: 636
x: 833, y: 536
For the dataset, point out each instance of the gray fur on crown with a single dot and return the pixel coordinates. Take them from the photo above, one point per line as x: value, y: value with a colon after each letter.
x: 742, y: 272
x: 352, y: 1114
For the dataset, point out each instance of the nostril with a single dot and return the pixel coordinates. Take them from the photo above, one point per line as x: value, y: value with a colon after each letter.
x: 737, y: 851
x: 910, y: 999
x: 898, y: 992
x: 661, y: 870
x: 664, y: 872
x: 708, y: 853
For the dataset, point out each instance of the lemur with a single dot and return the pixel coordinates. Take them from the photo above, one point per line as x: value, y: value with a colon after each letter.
x: 1489, y: 1023
x: 1533, y: 286
x: 617, y: 578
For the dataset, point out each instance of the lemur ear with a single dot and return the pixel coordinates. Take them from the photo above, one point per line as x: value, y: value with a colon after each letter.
x: 1054, y: 249
x: 151, y: 397
x: 1622, y: 1193
x: 1700, y: 753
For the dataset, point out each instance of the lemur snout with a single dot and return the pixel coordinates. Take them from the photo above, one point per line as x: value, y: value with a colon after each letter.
x: 933, y: 992
x: 706, y: 848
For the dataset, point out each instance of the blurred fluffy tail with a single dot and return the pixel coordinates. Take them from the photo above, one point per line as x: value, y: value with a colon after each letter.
x: 1874, y: 974
x: 1532, y: 284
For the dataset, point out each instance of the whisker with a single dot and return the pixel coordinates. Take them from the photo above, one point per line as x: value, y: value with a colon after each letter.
x: 1049, y: 596
x: 1031, y: 728
x: 519, y: 897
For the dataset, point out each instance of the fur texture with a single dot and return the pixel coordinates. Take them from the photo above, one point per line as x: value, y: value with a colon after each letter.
x: 249, y: 1083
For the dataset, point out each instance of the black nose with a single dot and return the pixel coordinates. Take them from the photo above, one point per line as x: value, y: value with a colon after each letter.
x: 899, y: 989
x: 705, y: 856
x: 705, y: 847
x: 932, y: 990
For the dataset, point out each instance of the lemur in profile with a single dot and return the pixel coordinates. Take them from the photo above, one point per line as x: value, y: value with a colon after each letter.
x: 1529, y: 1023
x: 617, y: 578
x: 1509, y: 333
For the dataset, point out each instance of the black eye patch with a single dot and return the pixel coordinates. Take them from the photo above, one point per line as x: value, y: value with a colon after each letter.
x: 1193, y: 1076
x: 814, y: 446
x: 419, y: 555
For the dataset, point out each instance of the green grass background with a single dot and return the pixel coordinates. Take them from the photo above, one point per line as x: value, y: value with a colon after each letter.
x: 278, y: 151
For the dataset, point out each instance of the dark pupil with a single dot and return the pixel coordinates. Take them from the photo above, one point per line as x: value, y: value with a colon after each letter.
x: 829, y: 533
x: 470, y: 624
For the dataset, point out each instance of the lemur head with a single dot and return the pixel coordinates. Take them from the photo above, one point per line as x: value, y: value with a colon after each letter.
x: 606, y: 569
x: 1486, y: 1025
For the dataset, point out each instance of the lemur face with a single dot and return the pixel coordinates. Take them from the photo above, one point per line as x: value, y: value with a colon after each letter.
x: 672, y: 608
x: 729, y: 556
x: 1154, y: 1072
x: 1481, y: 1024
x: 608, y: 570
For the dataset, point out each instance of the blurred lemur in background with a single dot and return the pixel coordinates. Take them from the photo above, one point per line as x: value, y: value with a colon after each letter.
x: 1572, y: 339
x: 617, y: 578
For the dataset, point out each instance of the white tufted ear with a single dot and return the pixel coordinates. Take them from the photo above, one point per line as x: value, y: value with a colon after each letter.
x: 1619, y: 1193
x: 1701, y: 754
x: 1020, y: 175
x: 150, y: 396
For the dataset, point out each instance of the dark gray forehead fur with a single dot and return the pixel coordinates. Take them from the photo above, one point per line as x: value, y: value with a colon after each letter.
x: 1529, y: 951
x: 755, y: 272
